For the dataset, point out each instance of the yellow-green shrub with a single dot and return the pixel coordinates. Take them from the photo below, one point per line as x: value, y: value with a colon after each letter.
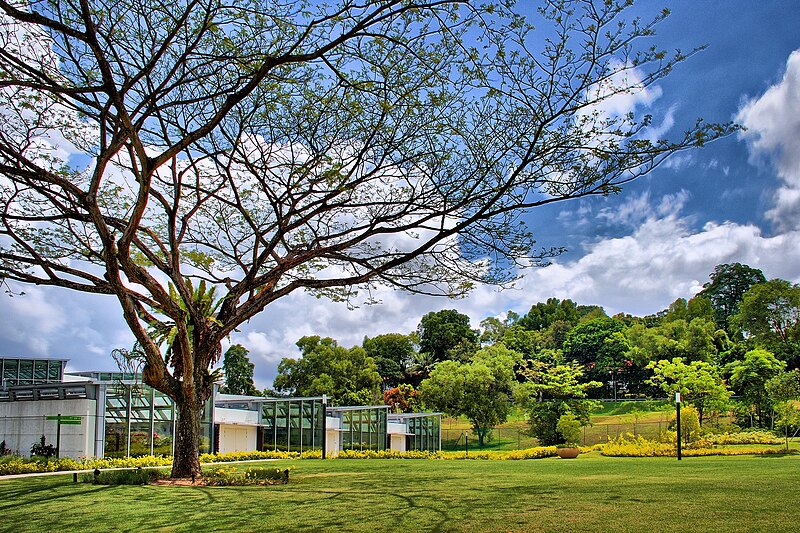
x: 745, y: 437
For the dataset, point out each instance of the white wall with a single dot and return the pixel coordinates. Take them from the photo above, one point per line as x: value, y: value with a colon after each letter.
x: 237, y: 438
x: 223, y: 415
x: 397, y: 443
x: 23, y: 423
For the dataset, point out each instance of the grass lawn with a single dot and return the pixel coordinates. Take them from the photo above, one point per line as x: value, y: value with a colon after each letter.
x: 592, y: 493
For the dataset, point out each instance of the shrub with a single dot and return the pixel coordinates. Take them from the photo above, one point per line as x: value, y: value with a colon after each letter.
x: 231, y: 476
x: 630, y: 446
x: 125, y: 477
x: 745, y: 437
x: 4, y: 450
x: 42, y: 449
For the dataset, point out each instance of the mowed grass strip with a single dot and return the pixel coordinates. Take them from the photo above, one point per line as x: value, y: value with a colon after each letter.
x: 592, y: 493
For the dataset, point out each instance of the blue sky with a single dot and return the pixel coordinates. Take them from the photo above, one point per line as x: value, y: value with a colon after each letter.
x: 736, y: 200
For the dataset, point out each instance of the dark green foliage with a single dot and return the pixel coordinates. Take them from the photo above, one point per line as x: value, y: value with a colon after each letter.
x: 139, y: 476
x: 393, y: 354
x: 348, y: 376
x: 447, y: 335
x: 4, y: 450
x: 598, y: 345
x: 748, y: 379
x: 729, y: 283
x: 238, y: 372
x: 770, y: 316
x: 543, y: 315
x: 42, y: 449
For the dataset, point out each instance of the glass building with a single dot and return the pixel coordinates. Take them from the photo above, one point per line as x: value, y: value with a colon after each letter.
x: 423, y: 430
x: 120, y: 416
x: 362, y: 427
x: 31, y: 371
x: 292, y: 424
x: 139, y: 420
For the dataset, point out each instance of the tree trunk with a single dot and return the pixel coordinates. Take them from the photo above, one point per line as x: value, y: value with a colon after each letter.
x: 186, y: 461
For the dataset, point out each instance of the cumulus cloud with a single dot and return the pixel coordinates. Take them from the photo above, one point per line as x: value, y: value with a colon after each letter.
x: 773, y: 137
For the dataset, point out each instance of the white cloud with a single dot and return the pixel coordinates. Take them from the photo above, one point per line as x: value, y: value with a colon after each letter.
x: 773, y: 135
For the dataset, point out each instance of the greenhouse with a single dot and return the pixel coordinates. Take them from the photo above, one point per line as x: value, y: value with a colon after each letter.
x: 113, y: 414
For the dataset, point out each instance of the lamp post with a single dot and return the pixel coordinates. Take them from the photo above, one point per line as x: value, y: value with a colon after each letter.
x: 324, y: 423
x: 613, y: 375
x: 678, y: 421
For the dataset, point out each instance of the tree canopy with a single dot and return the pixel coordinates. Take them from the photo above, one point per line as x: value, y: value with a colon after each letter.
x: 729, y: 283
x: 480, y: 390
x: 446, y: 334
x: 238, y: 372
x: 269, y: 147
x: 348, y: 376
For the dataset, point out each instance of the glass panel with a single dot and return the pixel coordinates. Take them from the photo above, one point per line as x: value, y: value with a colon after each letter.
x: 140, y: 439
x: 307, y: 423
x: 25, y: 372
x: 40, y: 371
x: 162, y: 437
x: 141, y: 404
x: 10, y: 371
x: 116, y: 440
x: 295, y: 432
x: 282, y: 426
x: 268, y: 420
x: 54, y: 371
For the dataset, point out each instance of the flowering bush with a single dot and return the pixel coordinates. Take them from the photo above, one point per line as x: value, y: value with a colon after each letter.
x: 745, y: 437
x: 530, y: 453
x: 630, y: 446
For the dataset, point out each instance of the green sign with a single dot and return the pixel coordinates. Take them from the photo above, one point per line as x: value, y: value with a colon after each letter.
x: 66, y: 420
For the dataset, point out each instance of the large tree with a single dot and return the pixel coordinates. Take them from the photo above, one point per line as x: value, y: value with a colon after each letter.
x: 729, y: 283
x: 238, y: 372
x: 770, y: 316
x: 393, y: 353
x: 446, y: 335
x: 276, y: 146
x: 348, y: 376
x: 480, y: 390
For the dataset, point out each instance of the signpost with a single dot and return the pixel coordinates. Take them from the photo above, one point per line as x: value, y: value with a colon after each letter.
x: 67, y: 420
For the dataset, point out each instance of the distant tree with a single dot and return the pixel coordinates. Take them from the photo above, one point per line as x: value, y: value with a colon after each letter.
x: 770, y: 317
x: 393, y: 354
x: 348, y: 377
x: 543, y: 314
x: 442, y: 332
x: 784, y: 391
x: 749, y: 377
x: 238, y: 372
x: 401, y: 399
x: 598, y: 345
x: 729, y: 283
x: 521, y: 340
x: 551, y: 391
x: 480, y: 390
x: 493, y: 329
x: 700, y: 384
x: 420, y: 368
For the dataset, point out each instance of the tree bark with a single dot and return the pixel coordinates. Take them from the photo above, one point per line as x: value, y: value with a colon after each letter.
x: 186, y: 459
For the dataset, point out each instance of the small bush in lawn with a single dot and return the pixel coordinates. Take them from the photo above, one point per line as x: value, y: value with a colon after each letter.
x: 233, y: 477
x: 125, y: 477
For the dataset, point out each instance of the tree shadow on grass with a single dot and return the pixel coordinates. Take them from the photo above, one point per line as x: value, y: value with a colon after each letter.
x: 25, y: 493
x: 393, y: 510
